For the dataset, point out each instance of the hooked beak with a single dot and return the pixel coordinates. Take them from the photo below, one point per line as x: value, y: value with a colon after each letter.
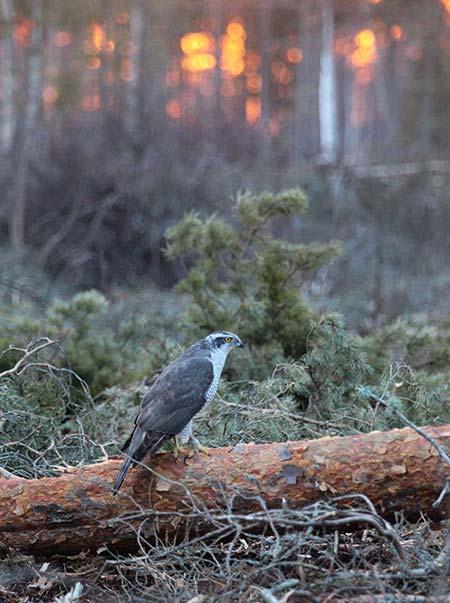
x: 239, y: 344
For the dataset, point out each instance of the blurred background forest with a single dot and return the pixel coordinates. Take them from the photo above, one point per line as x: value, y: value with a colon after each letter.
x: 117, y: 117
x: 279, y: 168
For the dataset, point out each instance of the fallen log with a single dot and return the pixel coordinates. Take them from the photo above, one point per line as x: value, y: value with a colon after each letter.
x: 398, y: 470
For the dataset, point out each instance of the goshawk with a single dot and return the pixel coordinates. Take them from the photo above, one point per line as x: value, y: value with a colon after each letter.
x: 178, y: 394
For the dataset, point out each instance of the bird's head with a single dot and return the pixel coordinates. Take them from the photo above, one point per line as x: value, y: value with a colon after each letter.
x: 223, y: 340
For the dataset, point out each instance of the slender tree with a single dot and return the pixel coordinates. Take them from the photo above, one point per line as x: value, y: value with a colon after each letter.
x: 8, y: 117
x: 26, y: 132
x: 134, y: 85
x: 266, y: 19
x: 327, y: 87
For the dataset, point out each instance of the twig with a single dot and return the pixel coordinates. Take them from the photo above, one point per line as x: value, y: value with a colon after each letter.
x: 7, y: 474
x: 445, y: 490
x: 21, y: 365
x: 278, y: 411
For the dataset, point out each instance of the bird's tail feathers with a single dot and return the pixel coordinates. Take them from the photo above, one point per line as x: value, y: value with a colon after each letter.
x: 131, y: 449
x: 136, y: 447
x: 121, y: 475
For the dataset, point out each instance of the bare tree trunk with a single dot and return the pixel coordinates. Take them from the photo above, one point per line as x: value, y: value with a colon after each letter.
x: 306, y: 114
x: 134, y: 86
x: 328, y: 117
x: 378, y: 288
x: 386, y: 91
x: 433, y: 19
x: 300, y: 124
x: 217, y: 11
x: 7, y: 113
x: 398, y: 470
x: 266, y: 19
x: 27, y: 129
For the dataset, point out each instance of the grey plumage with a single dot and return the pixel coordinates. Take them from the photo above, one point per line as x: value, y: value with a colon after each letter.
x: 177, y: 395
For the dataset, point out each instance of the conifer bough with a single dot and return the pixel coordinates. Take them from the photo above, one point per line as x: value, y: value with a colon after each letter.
x: 398, y: 470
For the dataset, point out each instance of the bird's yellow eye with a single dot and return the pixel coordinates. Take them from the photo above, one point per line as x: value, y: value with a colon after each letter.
x: 228, y: 339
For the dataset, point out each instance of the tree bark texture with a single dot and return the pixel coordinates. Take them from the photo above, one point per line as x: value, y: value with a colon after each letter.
x: 398, y: 470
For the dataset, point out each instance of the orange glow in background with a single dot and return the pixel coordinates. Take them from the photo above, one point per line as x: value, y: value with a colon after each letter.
x: 98, y: 36
x: 96, y: 40
x: 207, y: 63
x: 294, y: 55
x: 233, y: 49
x: 94, y: 63
x: 198, y: 49
x: 365, y: 52
x: 197, y: 42
x: 199, y: 62
x: 173, y: 109
x: 254, y: 83
x: 22, y: 32
x: 446, y: 4
x: 63, y: 39
x: 253, y: 109
x: 397, y: 33
x: 49, y: 95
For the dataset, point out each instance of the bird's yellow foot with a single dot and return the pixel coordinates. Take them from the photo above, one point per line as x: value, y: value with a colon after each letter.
x: 179, y: 452
x: 197, y: 447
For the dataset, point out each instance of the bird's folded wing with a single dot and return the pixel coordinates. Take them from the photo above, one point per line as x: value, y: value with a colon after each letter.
x: 178, y: 395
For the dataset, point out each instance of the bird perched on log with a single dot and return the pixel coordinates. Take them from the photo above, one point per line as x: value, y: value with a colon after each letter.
x: 178, y: 394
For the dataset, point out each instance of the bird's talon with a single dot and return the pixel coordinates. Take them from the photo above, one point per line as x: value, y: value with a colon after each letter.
x: 197, y: 447
x: 179, y: 453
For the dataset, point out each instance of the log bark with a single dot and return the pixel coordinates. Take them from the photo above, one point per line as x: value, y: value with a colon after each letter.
x: 398, y: 470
